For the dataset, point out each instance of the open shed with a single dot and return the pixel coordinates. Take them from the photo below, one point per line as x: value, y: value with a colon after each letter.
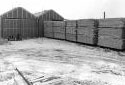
x: 46, y: 15
x: 18, y: 22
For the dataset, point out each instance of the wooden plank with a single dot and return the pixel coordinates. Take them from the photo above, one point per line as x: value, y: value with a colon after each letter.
x: 48, y: 24
x: 48, y: 29
x: 87, y: 39
x: 58, y: 35
x: 48, y: 34
x: 111, y: 22
x: 108, y: 41
x: 71, y: 30
x: 71, y: 37
x: 88, y: 31
x: 59, y: 29
x: 58, y: 23
x: 114, y: 32
x: 71, y: 23
x: 87, y: 22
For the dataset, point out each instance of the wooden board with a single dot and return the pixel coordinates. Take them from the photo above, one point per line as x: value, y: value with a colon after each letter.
x: 87, y: 22
x: 88, y: 31
x: 71, y: 30
x: 49, y: 35
x: 59, y: 29
x: 86, y: 39
x: 59, y: 35
x: 111, y: 22
x: 108, y: 41
x: 70, y: 37
x: 48, y: 24
x: 71, y: 23
x: 114, y: 32
x: 58, y: 23
x: 48, y: 29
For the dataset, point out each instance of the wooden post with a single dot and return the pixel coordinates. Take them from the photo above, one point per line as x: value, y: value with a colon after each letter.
x: 104, y: 14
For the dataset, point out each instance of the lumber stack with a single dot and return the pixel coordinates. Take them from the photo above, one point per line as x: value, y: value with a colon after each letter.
x: 87, y: 31
x: 112, y: 33
x: 59, y: 29
x: 48, y: 29
x: 71, y: 30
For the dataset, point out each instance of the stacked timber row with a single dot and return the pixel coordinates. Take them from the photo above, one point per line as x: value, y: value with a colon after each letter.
x: 71, y: 30
x: 59, y: 29
x: 112, y: 33
x: 48, y: 29
x: 54, y: 29
x: 18, y: 23
x: 46, y: 15
x: 87, y: 31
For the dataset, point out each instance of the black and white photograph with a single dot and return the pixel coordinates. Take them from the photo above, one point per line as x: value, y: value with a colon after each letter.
x: 62, y: 42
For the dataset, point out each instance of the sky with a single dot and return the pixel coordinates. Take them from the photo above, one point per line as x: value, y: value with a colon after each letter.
x: 70, y: 9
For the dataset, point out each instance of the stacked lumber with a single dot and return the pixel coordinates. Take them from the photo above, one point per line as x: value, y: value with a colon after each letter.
x: 48, y: 29
x: 112, y: 33
x: 71, y: 34
x: 59, y: 29
x: 87, y: 31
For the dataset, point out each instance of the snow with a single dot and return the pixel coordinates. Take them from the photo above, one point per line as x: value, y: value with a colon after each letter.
x: 55, y: 62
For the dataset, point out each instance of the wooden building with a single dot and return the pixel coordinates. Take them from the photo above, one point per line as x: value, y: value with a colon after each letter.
x: 18, y: 22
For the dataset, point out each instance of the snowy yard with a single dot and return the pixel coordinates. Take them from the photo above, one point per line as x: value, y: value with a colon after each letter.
x: 45, y: 61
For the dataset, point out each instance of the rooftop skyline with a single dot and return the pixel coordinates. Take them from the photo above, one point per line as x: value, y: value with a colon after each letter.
x: 70, y: 9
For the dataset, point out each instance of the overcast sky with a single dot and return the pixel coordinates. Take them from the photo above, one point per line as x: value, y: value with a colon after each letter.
x: 70, y: 9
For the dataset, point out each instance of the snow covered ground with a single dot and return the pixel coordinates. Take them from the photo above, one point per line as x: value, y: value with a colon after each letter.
x: 45, y: 61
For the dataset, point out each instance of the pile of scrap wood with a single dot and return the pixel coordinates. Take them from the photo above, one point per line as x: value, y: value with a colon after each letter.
x: 87, y: 31
x: 111, y: 33
x: 71, y: 32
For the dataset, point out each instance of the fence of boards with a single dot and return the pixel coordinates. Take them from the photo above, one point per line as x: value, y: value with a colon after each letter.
x: 103, y: 32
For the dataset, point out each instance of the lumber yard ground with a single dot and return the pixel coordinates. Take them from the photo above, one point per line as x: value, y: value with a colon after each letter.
x: 45, y: 61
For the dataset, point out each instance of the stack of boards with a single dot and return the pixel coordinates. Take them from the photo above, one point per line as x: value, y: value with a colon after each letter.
x: 54, y: 29
x: 71, y: 32
x: 59, y: 29
x: 111, y: 33
x: 87, y: 31
x: 83, y: 31
x: 48, y: 29
x: 103, y: 32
